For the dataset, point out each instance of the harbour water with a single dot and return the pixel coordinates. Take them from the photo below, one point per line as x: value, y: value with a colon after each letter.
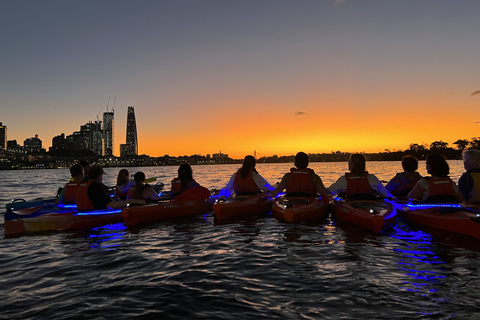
x: 245, y: 268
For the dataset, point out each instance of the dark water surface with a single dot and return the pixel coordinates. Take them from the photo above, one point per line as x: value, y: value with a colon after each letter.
x: 246, y: 268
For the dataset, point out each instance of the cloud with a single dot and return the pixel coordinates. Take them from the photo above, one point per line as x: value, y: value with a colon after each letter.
x: 338, y: 2
x: 475, y: 93
x: 299, y: 113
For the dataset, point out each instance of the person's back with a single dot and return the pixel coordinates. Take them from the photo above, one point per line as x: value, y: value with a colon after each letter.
x: 469, y: 182
x: 358, y: 183
x: 439, y: 187
x: 301, y: 181
x: 69, y: 192
x: 405, y: 181
x: 142, y: 190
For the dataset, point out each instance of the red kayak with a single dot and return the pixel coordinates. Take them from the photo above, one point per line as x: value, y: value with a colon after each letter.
x: 241, y: 206
x: 370, y: 214
x: 445, y: 216
x: 295, y: 209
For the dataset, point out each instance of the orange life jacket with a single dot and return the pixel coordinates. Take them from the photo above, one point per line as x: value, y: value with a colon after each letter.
x: 358, y: 184
x: 301, y: 182
x: 130, y: 192
x: 81, y: 197
x: 176, y: 186
x: 70, y: 191
x: 246, y: 185
x: 440, y: 186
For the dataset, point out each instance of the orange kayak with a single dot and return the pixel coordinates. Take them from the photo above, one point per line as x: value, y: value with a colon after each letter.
x: 163, y: 211
x: 370, y: 214
x: 445, y: 216
x: 295, y: 209
x: 241, y: 205
x: 57, y: 218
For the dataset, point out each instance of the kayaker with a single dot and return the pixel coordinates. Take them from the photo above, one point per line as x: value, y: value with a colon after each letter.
x: 67, y: 195
x: 246, y: 181
x: 403, y: 182
x: 123, y: 184
x: 93, y: 195
x: 438, y: 188
x: 86, y: 168
x: 301, y: 180
x: 184, y: 180
x: 142, y: 190
x: 358, y: 183
x: 469, y: 182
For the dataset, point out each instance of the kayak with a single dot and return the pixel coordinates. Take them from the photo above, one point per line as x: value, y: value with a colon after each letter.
x: 371, y: 214
x: 18, y: 204
x: 164, y: 210
x: 445, y: 216
x: 56, y: 218
x: 295, y: 209
x: 241, y: 206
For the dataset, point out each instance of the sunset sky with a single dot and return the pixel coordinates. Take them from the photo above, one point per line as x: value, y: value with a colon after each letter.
x: 273, y: 76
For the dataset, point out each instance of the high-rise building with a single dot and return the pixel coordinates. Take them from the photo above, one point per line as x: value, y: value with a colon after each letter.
x: 108, y: 133
x: 3, y: 137
x: 132, y: 140
x: 32, y: 145
x: 97, y: 143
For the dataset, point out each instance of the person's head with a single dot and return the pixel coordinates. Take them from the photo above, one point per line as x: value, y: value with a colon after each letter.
x: 356, y: 163
x: 77, y: 171
x: 185, y: 172
x: 249, y: 163
x: 86, y: 166
x: 409, y: 163
x: 471, y: 159
x: 95, y: 173
x: 139, y: 178
x: 301, y: 160
x: 437, y: 166
x: 123, y: 177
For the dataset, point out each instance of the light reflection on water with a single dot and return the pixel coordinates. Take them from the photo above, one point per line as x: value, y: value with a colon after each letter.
x: 252, y: 267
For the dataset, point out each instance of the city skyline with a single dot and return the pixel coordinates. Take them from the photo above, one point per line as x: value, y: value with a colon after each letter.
x: 276, y: 76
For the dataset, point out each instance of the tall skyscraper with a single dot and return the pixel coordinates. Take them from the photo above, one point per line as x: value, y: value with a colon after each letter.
x: 132, y: 140
x: 108, y: 133
x: 3, y: 137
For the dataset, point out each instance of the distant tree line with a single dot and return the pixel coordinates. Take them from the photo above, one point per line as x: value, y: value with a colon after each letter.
x: 420, y: 151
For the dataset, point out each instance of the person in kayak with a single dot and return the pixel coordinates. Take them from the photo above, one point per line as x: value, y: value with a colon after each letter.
x: 67, y: 195
x: 438, y: 188
x: 123, y: 184
x: 93, y: 195
x: 245, y: 181
x: 184, y: 180
x: 403, y: 182
x: 301, y: 181
x: 469, y: 182
x: 358, y: 183
x: 140, y: 190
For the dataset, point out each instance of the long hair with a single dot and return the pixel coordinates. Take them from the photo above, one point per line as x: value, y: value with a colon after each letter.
x: 248, y: 164
x: 123, y: 177
x: 438, y: 165
x: 358, y: 161
x: 139, y: 178
x: 185, y: 174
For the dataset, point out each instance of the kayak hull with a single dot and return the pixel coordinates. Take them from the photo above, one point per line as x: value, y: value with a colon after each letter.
x: 369, y: 214
x: 242, y: 206
x: 58, y: 219
x: 163, y: 211
x: 450, y: 217
x: 296, y: 209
